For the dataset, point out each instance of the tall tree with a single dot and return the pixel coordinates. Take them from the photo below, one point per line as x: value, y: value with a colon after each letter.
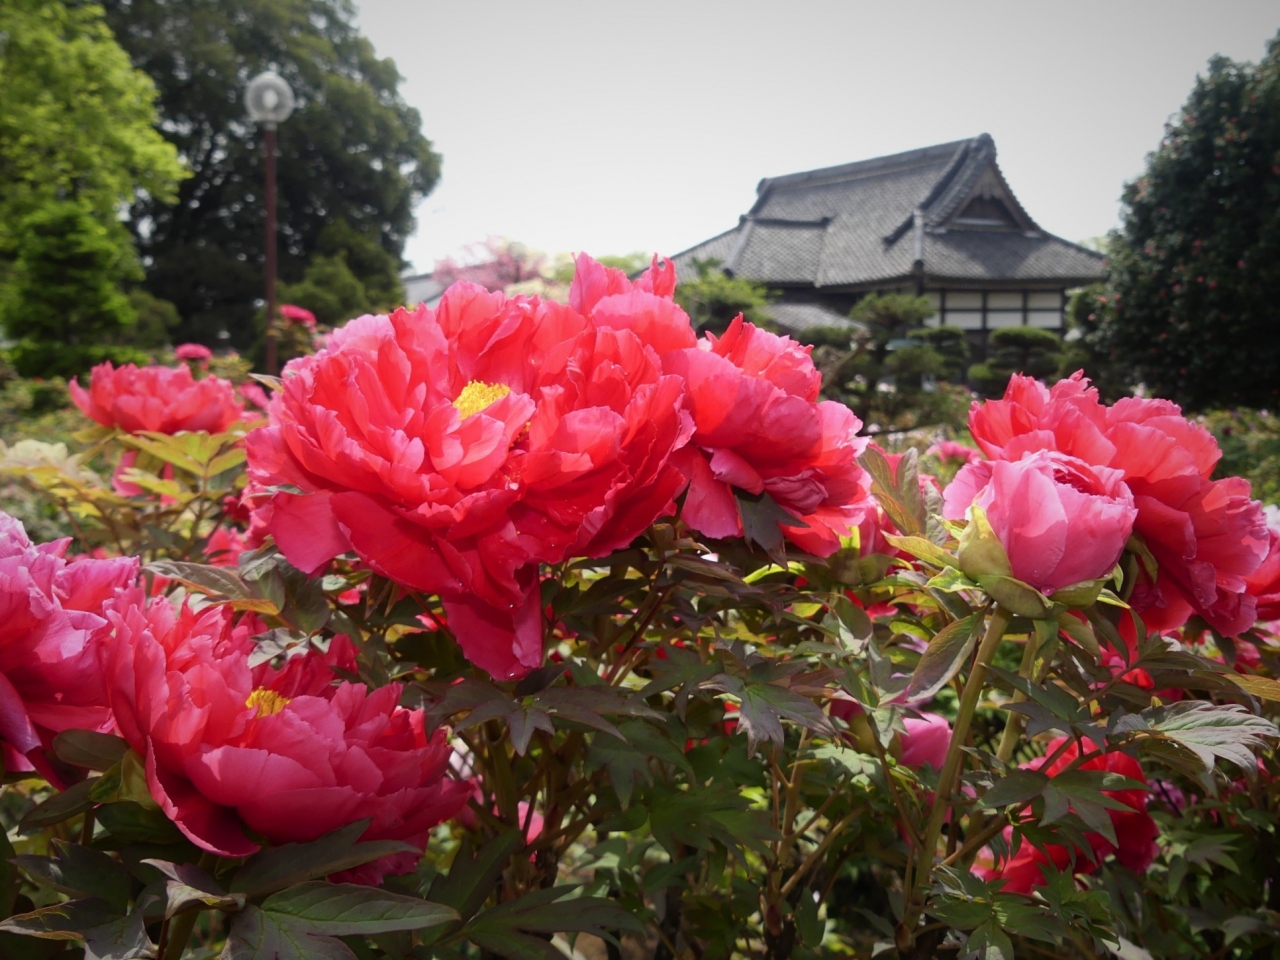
x: 1194, y: 275
x: 352, y: 151
x: 76, y: 143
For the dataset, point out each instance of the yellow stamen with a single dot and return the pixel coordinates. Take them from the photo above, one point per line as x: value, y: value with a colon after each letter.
x: 266, y: 702
x: 477, y: 395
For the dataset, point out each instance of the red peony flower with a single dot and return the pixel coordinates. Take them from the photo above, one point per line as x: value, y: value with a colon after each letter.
x: 759, y: 428
x: 50, y: 613
x: 455, y: 449
x: 285, y: 753
x: 1059, y: 520
x: 1264, y: 583
x: 1206, y: 535
x: 1135, y: 829
x: 157, y: 399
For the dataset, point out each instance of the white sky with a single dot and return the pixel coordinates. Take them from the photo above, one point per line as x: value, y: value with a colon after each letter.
x: 611, y: 127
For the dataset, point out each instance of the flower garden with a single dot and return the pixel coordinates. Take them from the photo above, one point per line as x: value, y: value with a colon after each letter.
x: 513, y: 628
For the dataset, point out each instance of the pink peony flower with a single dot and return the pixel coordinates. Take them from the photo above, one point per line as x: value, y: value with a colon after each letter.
x: 1206, y: 535
x: 296, y: 314
x: 50, y: 614
x: 1059, y: 520
x: 192, y: 351
x: 925, y: 740
x: 760, y: 428
x: 1135, y: 829
x: 1264, y: 583
x: 156, y: 399
x: 455, y: 449
x: 286, y: 753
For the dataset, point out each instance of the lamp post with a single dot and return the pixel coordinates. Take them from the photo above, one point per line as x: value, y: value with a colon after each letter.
x: 270, y: 101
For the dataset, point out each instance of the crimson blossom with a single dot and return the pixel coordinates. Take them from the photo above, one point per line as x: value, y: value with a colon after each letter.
x: 1206, y: 535
x: 286, y: 753
x: 1136, y: 831
x: 157, y: 399
x: 455, y: 449
x: 50, y: 615
x: 753, y: 396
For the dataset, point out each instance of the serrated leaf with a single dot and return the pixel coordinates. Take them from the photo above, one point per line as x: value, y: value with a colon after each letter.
x: 1018, y: 786
x: 473, y: 875
x: 1212, y: 731
x: 255, y: 935
x: 989, y: 942
x: 763, y: 706
x: 944, y: 657
x: 348, y: 909
x: 294, y: 863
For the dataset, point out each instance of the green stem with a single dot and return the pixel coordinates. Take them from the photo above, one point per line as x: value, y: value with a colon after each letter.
x: 178, y: 933
x: 1013, y: 726
x: 951, y: 765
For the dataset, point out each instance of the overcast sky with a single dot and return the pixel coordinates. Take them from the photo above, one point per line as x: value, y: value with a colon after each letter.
x: 611, y: 127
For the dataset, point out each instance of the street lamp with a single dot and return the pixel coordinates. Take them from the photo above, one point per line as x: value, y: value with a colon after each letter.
x: 270, y: 101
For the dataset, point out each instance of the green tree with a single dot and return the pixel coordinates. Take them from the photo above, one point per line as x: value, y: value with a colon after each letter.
x: 353, y: 151
x: 712, y: 298
x: 1010, y: 350
x: 1194, y: 272
x: 76, y: 142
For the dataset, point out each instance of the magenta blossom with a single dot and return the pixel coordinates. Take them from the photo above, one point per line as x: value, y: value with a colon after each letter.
x: 50, y: 615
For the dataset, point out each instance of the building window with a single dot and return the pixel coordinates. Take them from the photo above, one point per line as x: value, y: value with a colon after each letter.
x: 997, y: 309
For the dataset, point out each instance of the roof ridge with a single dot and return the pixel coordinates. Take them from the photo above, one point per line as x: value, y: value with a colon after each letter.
x: 870, y: 165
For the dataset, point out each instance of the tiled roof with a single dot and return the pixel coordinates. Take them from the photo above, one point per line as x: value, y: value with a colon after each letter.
x: 855, y: 224
x: 799, y: 317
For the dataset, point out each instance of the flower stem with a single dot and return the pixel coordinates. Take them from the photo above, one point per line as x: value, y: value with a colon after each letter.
x: 1013, y: 726
x: 177, y: 933
x: 996, y: 627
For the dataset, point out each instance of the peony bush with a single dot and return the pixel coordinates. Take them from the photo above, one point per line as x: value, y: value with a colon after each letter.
x: 517, y: 628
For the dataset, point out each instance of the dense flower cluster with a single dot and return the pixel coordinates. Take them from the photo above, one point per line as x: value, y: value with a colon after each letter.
x: 157, y: 399
x: 1206, y: 535
x: 454, y: 450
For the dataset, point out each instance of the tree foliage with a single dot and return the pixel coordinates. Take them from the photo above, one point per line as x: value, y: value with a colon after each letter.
x: 76, y: 142
x: 712, y: 298
x: 353, y: 150
x: 1195, y: 269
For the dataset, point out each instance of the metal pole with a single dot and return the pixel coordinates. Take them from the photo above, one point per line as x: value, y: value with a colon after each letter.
x: 271, y: 250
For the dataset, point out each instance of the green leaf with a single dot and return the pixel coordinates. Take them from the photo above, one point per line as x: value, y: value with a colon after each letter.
x: 989, y: 942
x: 205, y: 579
x: 293, y: 863
x: 1264, y: 688
x: 63, y: 921
x: 1209, y: 731
x: 85, y: 748
x: 925, y: 550
x: 763, y: 706
x: 187, y: 885
x: 81, y: 873
x: 256, y: 935
x: 506, y: 928
x: 134, y: 823
x: 348, y: 909
x: 763, y: 521
x: 716, y: 813
x: 61, y: 806
x: 1018, y: 786
x: 902, y: 510
x: 473, y: 875
x: 629, y: 761
x: 944, y: 657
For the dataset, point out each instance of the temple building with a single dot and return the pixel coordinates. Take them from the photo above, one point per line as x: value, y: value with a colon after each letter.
x: 940, y: 221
